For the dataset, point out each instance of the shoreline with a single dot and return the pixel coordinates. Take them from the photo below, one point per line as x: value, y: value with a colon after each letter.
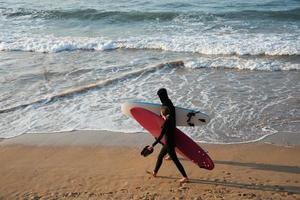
x: 106, y: 165
x: 112, y: 138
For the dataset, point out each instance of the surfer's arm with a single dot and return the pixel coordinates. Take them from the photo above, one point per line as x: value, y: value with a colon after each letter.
x: 158, y: 140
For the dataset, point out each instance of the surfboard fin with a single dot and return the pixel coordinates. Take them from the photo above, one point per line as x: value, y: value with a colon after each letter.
x: 190, y: 115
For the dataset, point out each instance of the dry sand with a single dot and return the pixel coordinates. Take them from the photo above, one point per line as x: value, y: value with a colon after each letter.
x: 93, y: 165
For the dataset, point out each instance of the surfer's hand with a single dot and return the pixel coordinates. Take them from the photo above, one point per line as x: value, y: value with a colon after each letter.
x: 150, y: 148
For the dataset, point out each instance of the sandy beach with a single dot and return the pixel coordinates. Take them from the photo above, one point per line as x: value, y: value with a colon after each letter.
x: 94, y: 165
x: 67, y: 67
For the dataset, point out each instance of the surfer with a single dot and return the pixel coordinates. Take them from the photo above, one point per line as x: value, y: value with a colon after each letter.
x: 167, y: 130
x: 166, y: 101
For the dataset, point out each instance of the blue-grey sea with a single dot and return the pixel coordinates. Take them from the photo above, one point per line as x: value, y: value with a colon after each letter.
x: 242, y: 64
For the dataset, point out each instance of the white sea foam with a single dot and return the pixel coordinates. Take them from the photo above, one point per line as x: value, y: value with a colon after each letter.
x: 216, y: 44
x: 235, y: 62
x: 237, y: 108
x: 51, y: 44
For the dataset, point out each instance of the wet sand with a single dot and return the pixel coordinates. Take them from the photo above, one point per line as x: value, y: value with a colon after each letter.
x: 94, y: 165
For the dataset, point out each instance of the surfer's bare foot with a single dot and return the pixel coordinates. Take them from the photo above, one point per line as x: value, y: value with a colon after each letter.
x: 153, y: 174
x: 167, y: 157
x: 184, y: 180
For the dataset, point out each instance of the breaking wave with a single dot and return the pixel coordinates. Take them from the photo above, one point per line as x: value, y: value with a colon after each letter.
x: 131, y: 16
x: 271, y: 45
x: 89, y: 14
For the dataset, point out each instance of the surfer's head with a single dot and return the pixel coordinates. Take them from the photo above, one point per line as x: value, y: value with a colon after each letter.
x: 164, y: 111
x: 163, y: 95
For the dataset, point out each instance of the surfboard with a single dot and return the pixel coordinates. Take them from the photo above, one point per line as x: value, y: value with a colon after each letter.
x: 184, y: 117
x: 184, y: 144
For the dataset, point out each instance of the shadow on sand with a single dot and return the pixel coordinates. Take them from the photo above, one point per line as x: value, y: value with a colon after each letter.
x: 260, y: 166
x: 253, y: 186
x: 273, y: 188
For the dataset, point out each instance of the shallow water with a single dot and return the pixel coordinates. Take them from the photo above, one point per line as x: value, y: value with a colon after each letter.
x: 241, y: 65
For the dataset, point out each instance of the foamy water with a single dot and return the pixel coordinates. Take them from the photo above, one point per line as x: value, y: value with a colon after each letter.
x: 218, y: 44
x: 69, y: 66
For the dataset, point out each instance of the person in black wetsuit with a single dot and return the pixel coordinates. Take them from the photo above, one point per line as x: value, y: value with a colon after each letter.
x: 168, y: 130
x: 166, y: 101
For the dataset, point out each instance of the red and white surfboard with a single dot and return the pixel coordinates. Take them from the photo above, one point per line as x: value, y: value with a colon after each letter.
x: 184, y: 144
x: 184, y: 116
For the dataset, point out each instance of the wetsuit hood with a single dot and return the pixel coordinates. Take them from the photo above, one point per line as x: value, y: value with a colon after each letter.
x: 163, y: 95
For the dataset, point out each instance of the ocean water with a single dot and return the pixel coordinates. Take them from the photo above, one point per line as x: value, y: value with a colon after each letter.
x: 69, y: 65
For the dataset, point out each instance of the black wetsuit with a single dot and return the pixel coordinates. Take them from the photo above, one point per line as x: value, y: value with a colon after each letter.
x: 165, y: 101
x: 168, y: 130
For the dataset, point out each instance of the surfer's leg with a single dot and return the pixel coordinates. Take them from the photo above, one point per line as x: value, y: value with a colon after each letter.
x: 160, y: 158
x: 172, y: 153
